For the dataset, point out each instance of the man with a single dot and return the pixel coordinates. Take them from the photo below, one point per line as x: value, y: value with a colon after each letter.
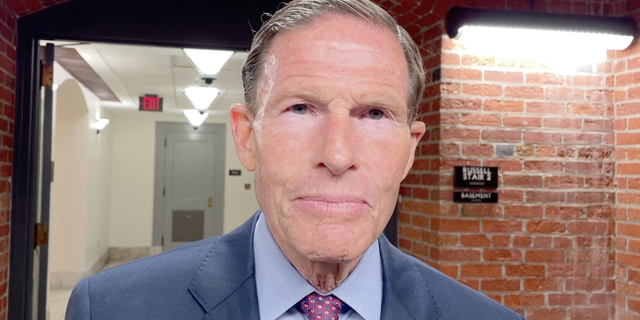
x: 332, y: 89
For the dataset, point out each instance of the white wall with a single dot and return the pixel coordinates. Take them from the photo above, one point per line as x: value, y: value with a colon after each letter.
x: 81, y: 191
x: 133, y: 178
x: 69, y: 193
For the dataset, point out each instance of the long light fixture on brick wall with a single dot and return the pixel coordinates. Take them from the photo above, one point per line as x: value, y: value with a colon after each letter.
x: 564, y: 37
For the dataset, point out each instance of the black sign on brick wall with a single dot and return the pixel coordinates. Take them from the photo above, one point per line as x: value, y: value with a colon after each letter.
x: 475, y: 177
x: 475, y: 197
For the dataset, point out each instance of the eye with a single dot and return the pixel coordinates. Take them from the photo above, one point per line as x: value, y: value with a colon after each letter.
x: 299, y: 108
x: 375, y: 114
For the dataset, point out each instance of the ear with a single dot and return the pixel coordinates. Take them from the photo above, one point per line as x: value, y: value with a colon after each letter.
x: 416, y: 130
x: 242, y: 131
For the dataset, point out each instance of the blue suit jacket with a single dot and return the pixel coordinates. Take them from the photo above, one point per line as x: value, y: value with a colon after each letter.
x: 214, y: 279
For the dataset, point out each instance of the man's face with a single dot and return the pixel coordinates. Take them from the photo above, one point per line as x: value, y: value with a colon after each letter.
x: 329, y: 141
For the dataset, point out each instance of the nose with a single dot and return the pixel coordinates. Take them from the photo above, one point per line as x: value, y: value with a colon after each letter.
x: 337, y: 148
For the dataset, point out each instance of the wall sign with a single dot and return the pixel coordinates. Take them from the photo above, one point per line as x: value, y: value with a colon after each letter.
x: 475, y: 177
x: 150, y: 102
x: 475, y: 197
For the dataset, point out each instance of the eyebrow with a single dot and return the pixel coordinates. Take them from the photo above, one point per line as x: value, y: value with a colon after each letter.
x: 313, y: 97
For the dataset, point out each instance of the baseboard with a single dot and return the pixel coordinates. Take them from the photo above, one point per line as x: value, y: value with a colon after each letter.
x: 126, y: 254
x: 98, y: 265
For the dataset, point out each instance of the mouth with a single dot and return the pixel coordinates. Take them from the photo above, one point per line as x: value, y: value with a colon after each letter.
x: 337, y: 204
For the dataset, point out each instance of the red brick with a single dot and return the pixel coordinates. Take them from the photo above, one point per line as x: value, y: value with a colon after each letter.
x: 545, y: 196
x: 599, y: 182
x: 587, y: 109
x: 627, y: 229
x: 544, y: 78
x: 481, y: 119
x: 589, y: 313
x: 584, y: 285
x: 488, y: 90
x: 524, y: 92
x: 504, y: 105
x: 525, y: 270
x: 527, y: 122
x: 522, y: 181
x: 567, y: 299
x: 503, y: 135
x: 542, y: 165
x: 543, y: 226
x: 500, y: 285
x: 542, y: 137
x: 628, y: 168
x: 504, y: 165
x: 462, y: 134
x: 592, y: 81
x: 562, y: 242
x: 504, y: 76
x: 481, y: 271
x: 523, y: 211
x: 450, y: 89
x: 587, y: 227
x: 542, y: 284
x: 460, y: 104
x: 475, y: 240
x: 481, y: 210
x: 455, y: 255
x: 590, y: 197
x: 564, y: 123
x: 521, y: 241
x: 555, y: 256
x: 500, y: 240
x: 543, y: 151
x: 503, y: 255
x: 523, y: 300
x: 461, y: 74
x: 501, y: 226
x: 547, y: 314
x: 455, y: 225
x: 627, y: 109
x: 562, y: 93
x: 450, y: 59
x: 564, y: 182
x: 566, y: 270
x: 583, y: 167
x: 582, y: 138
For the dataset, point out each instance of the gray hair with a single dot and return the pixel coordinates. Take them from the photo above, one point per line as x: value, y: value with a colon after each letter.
x: 299, y: 13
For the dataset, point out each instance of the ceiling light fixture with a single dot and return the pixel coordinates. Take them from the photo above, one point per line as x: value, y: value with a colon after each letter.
x: 195, y: 117
x: 208, y: 62
x: 533, y: 34
x: 100, y: 124
x: 201, y: 97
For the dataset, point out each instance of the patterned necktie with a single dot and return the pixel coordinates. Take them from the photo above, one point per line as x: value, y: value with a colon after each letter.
x: 318, y: 307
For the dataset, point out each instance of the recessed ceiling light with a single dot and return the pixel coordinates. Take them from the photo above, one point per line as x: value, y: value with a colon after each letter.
x: 208, y: 62
x: 201, y: 97
x: 195, y: 117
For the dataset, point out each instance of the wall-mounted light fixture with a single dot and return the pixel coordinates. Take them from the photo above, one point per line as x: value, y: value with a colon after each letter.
x: 208, y: 62
x: 196, y: 117
x: 572, y: 38
x: 99, y: 125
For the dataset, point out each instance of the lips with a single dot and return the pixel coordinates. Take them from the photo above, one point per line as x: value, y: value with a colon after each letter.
x: 331, y: 204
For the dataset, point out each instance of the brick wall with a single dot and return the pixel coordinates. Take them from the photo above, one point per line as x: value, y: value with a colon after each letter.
x: 627, y: 129
x: 547, y: 250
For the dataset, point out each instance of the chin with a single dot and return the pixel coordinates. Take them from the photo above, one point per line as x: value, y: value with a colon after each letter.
x: 337, y: 245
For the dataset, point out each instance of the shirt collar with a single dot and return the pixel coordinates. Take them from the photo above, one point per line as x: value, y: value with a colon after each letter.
x: 280, y: 286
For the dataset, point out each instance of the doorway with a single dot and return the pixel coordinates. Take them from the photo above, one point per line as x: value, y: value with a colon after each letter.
x: 189, y: 183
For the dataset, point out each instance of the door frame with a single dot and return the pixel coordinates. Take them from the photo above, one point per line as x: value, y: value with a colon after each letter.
x: 193, y: 24
x: 162, y: 128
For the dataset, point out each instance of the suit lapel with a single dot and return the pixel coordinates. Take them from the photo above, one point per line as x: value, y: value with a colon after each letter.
x: 225, y: 285
x: 405, y: 292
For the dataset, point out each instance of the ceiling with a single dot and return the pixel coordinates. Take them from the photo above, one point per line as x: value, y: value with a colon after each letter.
x: 133, y: 71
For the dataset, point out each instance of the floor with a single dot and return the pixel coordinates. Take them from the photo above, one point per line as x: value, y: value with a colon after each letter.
x: 58, y: 299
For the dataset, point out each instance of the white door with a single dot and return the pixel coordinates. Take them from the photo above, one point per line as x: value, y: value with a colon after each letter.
x: 192, y: 205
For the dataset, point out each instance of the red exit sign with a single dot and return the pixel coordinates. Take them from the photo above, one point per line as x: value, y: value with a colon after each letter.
x: 150, y: 102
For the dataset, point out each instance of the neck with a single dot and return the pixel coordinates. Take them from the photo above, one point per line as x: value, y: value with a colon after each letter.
x: 323, y: 276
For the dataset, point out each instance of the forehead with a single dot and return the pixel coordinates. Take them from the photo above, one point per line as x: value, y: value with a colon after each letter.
x: 339, y: 48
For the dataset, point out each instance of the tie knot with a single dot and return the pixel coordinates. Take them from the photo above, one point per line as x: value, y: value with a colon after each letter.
x: 319, y: 307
